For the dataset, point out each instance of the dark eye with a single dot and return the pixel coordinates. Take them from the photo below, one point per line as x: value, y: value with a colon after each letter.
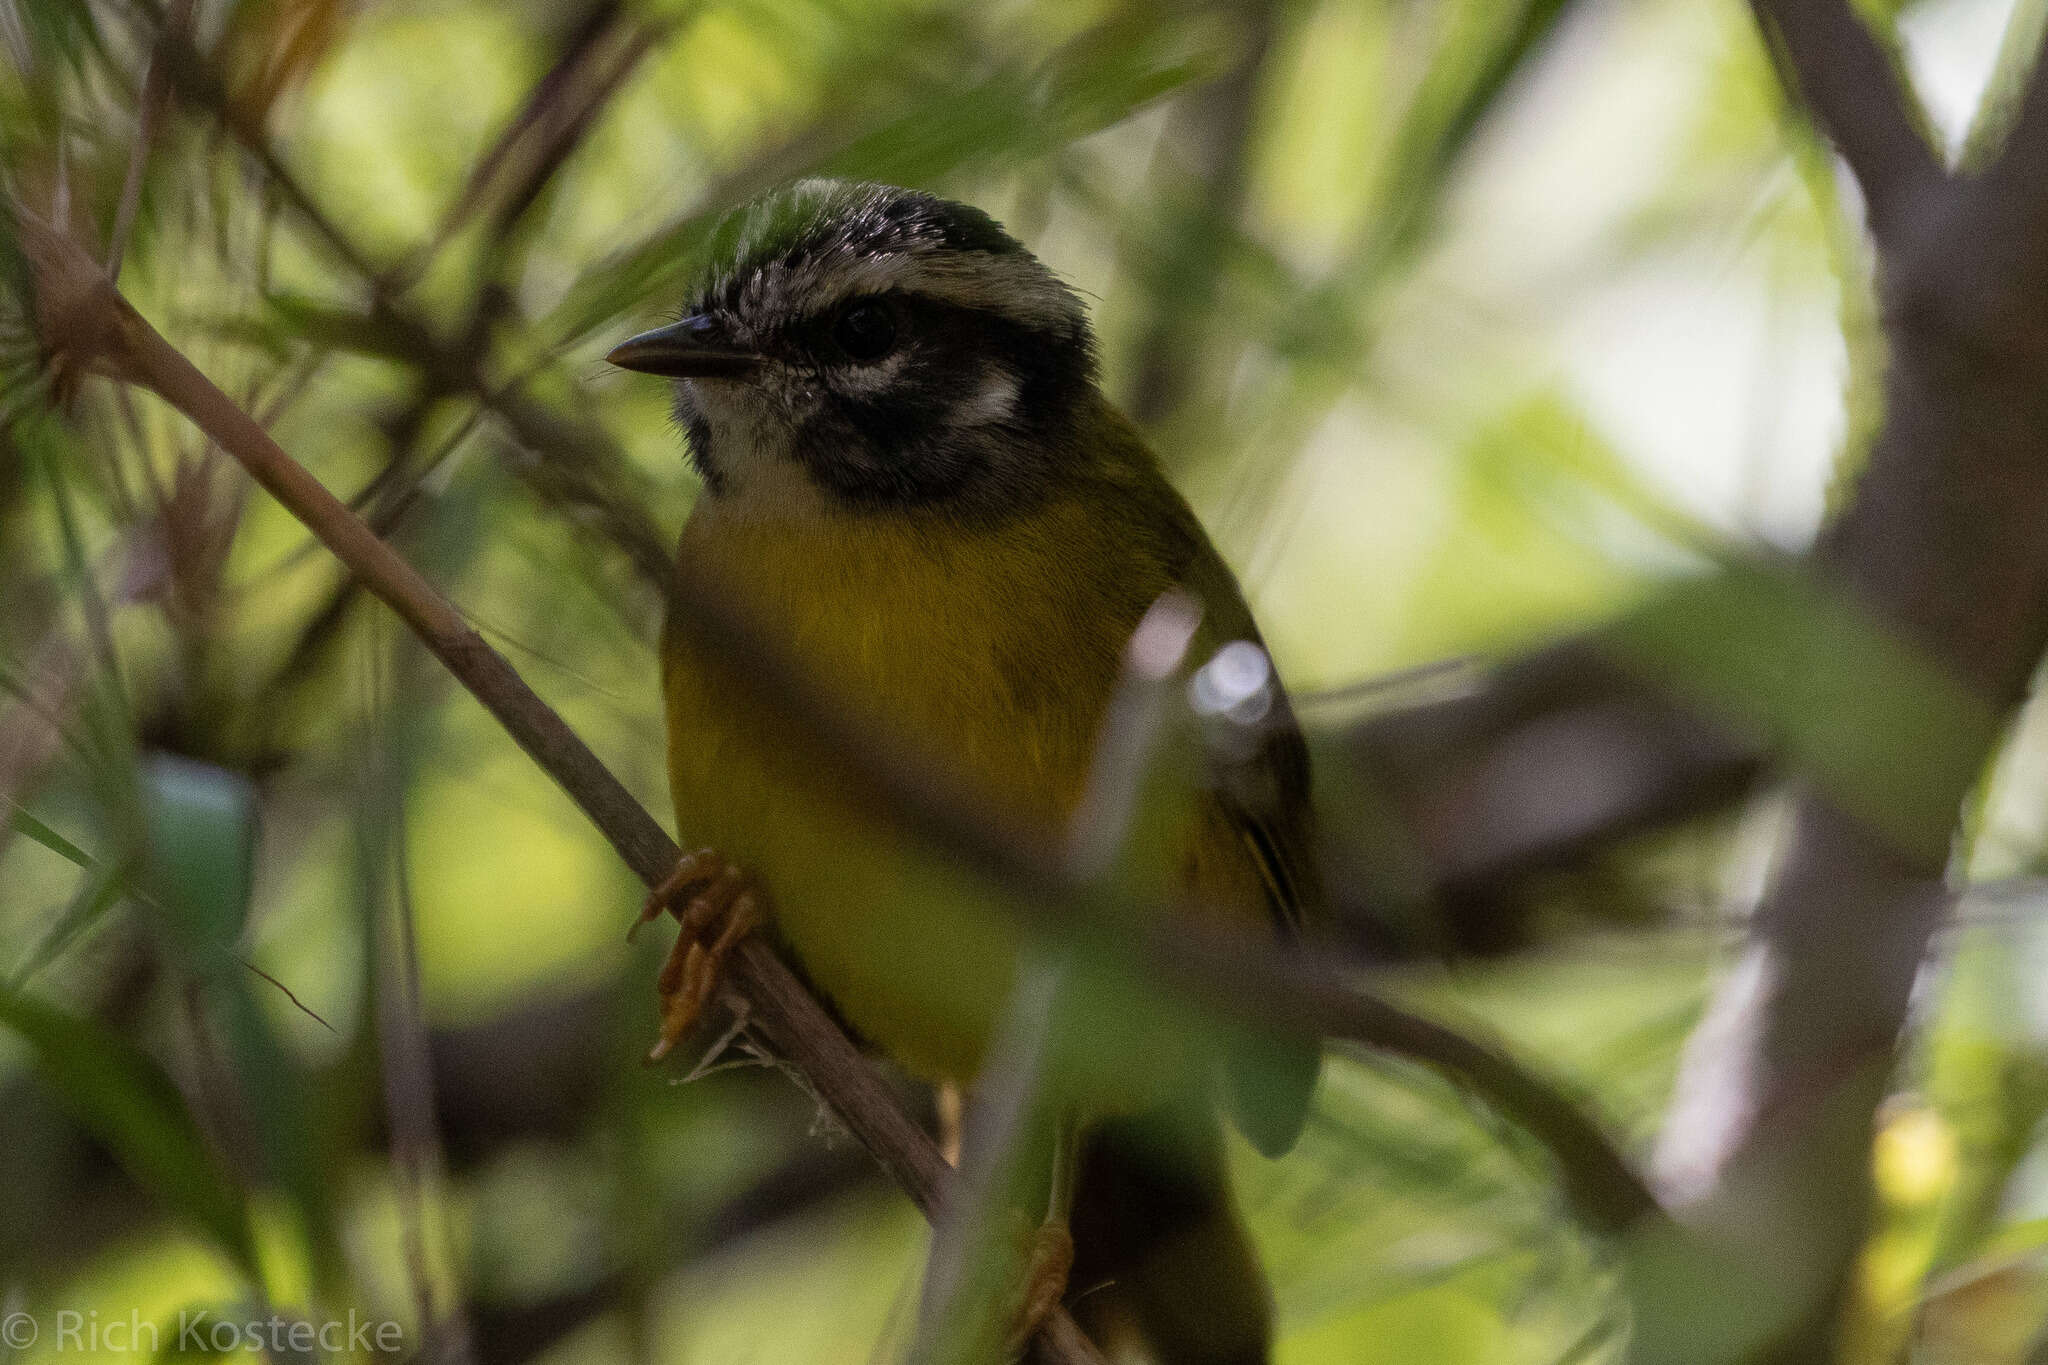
x: 865, y: 330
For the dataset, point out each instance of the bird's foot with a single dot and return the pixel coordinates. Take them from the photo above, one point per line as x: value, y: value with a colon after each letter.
x: 715, y: 905
x: 1045, y: 1279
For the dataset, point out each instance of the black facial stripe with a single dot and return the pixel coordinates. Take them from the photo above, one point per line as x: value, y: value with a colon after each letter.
x: 698, y: 432
x: 901, y: 446
x: 934, y: 328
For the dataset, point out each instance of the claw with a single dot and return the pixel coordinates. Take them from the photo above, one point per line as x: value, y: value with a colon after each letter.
x: 724, y: 910
x: 1045, y: 1281
x: 691, y: 870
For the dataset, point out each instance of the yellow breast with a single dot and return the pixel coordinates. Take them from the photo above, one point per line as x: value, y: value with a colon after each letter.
x: 991, y: 650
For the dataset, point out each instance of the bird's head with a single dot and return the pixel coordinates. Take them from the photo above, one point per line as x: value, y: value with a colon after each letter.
x: 867, y: 347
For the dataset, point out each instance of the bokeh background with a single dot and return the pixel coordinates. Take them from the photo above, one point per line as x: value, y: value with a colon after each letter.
x: 1463, y: 324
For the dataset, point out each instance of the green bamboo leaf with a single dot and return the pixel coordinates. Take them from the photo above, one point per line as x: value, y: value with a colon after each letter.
x: 101, y: 890
x: 1873, y: 720
x: 25, y: 823
x: 126, y: 1101
x: 106, y: 882
x: 932, y: 131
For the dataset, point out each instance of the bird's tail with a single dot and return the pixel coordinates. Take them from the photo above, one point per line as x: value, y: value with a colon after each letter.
x: 1162, y: 1261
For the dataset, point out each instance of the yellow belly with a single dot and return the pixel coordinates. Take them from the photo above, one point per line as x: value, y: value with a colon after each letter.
x: 985, y: 650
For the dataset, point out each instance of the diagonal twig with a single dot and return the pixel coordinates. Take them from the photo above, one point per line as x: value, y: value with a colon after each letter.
x: 597, y: 55
x: 149, y: 107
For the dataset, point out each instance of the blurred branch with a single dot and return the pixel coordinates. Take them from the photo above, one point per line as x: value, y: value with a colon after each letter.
x: 1272, y: 990
x: 1008, y: 1158
x: 599, y: 52
x: 1206, y: 156
x: 1017, y: 1118
x: 1544, y: 763
x: 149, y: 112
x: 404, y: 1057
x: 1853, y: 89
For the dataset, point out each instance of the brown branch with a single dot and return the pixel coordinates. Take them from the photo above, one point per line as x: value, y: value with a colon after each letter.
x: 1276, y: 991
x: 1540, y: 765
x: 1854, y: 91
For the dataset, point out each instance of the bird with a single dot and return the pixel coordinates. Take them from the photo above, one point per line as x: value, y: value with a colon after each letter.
x: 913, y: 484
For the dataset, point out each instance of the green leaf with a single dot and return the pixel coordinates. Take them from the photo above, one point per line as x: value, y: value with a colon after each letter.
x: 126, y: 1101
x: 931, y: 130
x: 99, y: 892
x: 27, y: 824
x: 103, y: 887
x: 1889, y: 735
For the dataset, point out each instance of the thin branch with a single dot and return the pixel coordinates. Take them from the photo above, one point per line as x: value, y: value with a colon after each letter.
x: 563, y: 105
x: 1006, y: 1165
x: 195, y: 80
x: 149, y: 112
x: 1293, y: 993
x: 1854, y: 91
x: 1540, y: 764
x: 301, y: 1006
x: 418, y: 1160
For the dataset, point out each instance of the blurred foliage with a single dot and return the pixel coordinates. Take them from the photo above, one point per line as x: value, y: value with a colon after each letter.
x: 1464, y: 325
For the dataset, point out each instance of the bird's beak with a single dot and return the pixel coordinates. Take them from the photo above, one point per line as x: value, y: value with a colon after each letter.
x: 690, y: 349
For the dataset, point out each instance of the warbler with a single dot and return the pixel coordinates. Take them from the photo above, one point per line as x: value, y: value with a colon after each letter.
x: 913, y: 483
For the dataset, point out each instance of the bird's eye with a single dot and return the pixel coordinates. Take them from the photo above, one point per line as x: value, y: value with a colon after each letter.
x: 865, y: 330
